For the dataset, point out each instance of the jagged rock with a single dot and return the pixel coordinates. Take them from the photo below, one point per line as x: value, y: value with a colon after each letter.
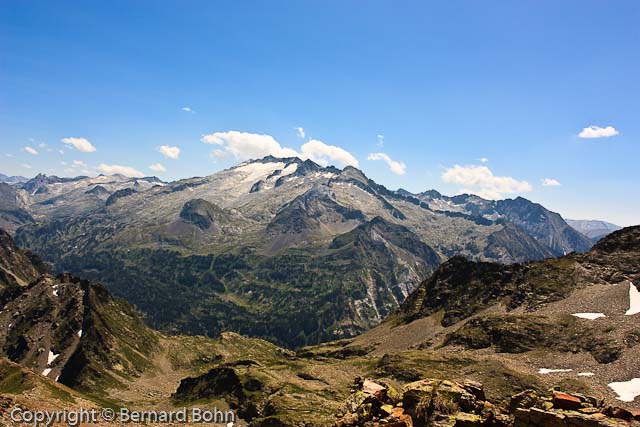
x: 616, y: 412
x: 374, y: 389
x: 464, y: 419
x: 423, y: 399
x: 566, y: 401
x: 201, y: 213
x: 443, y: 403
x: 474, y: 388
x: 525, y: 399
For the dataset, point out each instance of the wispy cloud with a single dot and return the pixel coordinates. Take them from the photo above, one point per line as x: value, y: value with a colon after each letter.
x: 483, y: 160
x: 480, y: 180
x: 399, y: 168
x: 244, y: 145
x: 157, y: 167
x: 79, y: 163
x: 380, y: 142
x: 598, y: 132
x: 26, y: 165
x: 550, y: 182
x: 170, y: 152
x: 80, y: 144
x: 31, y: 150
x: 188, y: 110
x: 119, y: 169
x: 300, y: 132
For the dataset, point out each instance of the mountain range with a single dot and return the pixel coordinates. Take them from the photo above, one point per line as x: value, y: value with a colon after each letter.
x: 593, y: 229
x: 278, y: 248
x: 483, y: 342
x: 12, y: 179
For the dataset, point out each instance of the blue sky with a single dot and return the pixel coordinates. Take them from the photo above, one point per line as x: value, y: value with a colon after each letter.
x: 482, y: 96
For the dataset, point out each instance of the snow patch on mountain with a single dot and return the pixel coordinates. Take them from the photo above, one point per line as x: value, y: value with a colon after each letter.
x: 634, y: 300
x: 589, y: 316
x: 627, y: 391
x: 257, y: 171
x: 545, y: 371
x: 289, y: 169
x: 51, y: 358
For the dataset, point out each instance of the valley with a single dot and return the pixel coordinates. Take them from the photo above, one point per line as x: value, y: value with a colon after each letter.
x: 520, y: 334
x: 277, y: 248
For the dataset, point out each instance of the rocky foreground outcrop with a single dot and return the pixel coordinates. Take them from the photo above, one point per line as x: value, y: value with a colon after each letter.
x: 442, y: 403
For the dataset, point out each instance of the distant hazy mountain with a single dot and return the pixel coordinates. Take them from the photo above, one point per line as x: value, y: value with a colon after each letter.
x: 278, y: 248
x: 593, y: 229
x: 12, y: 179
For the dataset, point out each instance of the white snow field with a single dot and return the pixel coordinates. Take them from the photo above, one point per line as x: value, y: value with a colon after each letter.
x: 627, y: 390
x: 634, y: 300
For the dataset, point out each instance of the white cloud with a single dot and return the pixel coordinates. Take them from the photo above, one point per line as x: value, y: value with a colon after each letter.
x: 399, y: 168
x: 188, y: 109
x: 380, y: 143
x: 11, y: 156
x: 300, y: 132
x: 550, y: 182
x: 157, y: 167
x: 598, y: 132
x: 244, y: 145
x: 480, y: 180
x: 42, y: 145
x: 26, y: 165
x: 118, y: 169
x: 483, y: 160
x: 61, y: 151
x: 79, y: 163
x: 63, y: 163
x: 80, y: 144
x: 170, y: 152
x: 30, y: 150
x: 325, y: 154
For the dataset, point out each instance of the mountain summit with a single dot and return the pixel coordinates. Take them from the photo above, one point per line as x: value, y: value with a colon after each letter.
x: 280, y: 248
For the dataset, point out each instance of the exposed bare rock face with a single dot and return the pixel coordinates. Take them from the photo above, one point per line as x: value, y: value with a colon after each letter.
x: 67, y: 329
x: 17, y: 267
x: 202, y: 214
x: 444, y: 403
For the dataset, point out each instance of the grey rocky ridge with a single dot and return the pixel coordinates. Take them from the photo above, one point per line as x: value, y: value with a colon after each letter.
x: 279, y: 248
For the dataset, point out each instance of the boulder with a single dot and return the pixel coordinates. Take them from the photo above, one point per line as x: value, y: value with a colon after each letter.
x: 525, y: 399
x: 376, y: 390
x: 566, y: 401
x: 422, y: 399
x: 464, y: 419
x: 620, y: 413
